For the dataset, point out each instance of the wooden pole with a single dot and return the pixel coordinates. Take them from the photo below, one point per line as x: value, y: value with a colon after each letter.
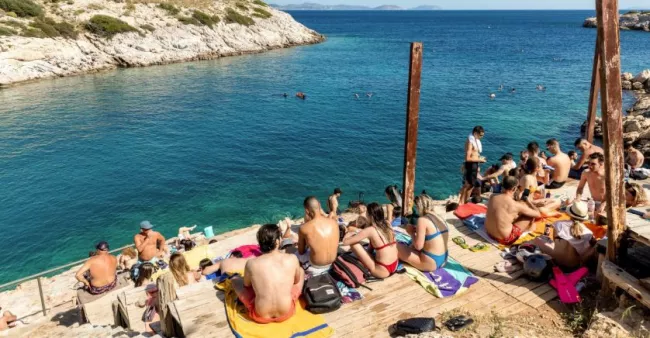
x: 412, y: 117
x: 593, y: 94
x: 611, y: 95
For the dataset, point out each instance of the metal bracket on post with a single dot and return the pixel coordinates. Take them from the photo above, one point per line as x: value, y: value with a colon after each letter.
x: 412, y: 120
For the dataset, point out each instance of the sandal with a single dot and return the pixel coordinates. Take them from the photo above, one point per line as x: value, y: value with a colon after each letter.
x: 460, y: 241
x: 458, y: 323
x: 479, y: 247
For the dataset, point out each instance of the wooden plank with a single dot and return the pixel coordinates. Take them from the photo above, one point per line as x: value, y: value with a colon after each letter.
x: 612, y: 105
x: 412, y: 119
x: 593, y: 95
x: 626, y: 282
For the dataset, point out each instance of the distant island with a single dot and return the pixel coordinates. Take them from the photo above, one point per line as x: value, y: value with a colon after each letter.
x: 309, y: 6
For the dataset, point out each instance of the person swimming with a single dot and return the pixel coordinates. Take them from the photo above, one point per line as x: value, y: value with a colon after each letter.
x: 301, y: 95
x: 369, y: 94
x: 356, y: 96
x: 493, y: 96
x: 513, y: 90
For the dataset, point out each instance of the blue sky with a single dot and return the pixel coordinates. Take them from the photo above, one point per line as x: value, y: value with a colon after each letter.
x: 478, y: 4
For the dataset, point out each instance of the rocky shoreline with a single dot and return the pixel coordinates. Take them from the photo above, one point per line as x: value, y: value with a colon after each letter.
x: 636, y: 124
x: 154, y: 35
x: 632, y: 20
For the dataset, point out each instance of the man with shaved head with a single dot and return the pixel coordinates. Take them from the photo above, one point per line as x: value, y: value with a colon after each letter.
x: 318, y: 239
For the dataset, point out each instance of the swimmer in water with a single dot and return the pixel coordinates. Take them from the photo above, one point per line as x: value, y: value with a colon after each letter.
x: 513, y: 90
x: 356, y: 96
x: 369, y: 95
x: 285, y: 95
x: 501, y: 88
x: 492, y: 96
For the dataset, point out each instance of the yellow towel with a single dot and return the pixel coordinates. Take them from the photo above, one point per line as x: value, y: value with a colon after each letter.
x: 194, y: 256
x: 302, y: 324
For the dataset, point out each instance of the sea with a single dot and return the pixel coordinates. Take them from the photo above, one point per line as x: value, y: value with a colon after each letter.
x: 215, y: 143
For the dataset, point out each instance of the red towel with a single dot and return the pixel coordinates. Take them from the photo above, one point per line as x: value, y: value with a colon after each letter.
x: 470, y: 209
x: 249, y: 251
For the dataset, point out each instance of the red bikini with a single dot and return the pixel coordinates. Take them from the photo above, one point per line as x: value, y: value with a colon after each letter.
x: 391, y: 268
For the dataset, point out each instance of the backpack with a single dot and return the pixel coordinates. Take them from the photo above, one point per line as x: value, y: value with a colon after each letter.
x: 321, y: 294
x: 413, y: 326
x: 349, y: 270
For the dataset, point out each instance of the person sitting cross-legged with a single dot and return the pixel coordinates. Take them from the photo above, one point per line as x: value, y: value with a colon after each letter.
x: 382, y: 241
x: 428, y: 251
x: 272, y: 282
x: 507, y: 218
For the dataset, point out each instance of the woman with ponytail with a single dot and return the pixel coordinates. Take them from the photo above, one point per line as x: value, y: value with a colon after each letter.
x: 382, y: 241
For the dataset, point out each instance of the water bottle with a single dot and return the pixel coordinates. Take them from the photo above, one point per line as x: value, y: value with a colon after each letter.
x: 591, y: 206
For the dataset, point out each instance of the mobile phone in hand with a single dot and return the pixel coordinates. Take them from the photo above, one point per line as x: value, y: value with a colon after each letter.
x: 526, y: 193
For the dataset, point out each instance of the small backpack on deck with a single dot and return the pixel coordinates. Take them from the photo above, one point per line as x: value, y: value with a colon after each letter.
x: 321, y: 294
x: 349, y: 270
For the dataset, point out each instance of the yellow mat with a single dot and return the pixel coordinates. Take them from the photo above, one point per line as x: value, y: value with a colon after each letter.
x: 302, y: 324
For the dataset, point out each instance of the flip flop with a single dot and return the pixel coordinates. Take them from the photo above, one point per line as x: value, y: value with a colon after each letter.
x: 460, y: 241
x: 458, y: 323
x: 479, y: 247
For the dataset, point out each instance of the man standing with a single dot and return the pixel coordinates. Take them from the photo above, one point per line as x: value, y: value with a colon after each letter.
x: 561, y: 164
x: 473, y: 150
x: 595, y: 177
x: 318, y: 239
x: 333, y: 203
x: 634, y: 158
x: 586, y: 150
x: 272, y: 282
x: 98, y: 275
x: 150, y: 244
x: 506, y: 218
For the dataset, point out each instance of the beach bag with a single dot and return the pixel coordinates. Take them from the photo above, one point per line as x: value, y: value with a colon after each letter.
x: 349, y: 270
x: 321, y: 294
x: 414, y: 326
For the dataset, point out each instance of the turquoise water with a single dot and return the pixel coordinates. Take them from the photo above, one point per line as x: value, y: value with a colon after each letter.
x: 86, y: 158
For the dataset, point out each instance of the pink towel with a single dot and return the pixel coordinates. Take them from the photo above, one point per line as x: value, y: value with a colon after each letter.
x: 249, y: 251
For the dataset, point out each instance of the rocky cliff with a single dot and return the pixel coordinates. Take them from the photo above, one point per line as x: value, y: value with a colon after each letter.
x: 636, y: 124
x: 50, y: 38
x: 633, y: 20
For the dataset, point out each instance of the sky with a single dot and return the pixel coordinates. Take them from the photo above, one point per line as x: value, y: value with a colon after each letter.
x: 478, y: 4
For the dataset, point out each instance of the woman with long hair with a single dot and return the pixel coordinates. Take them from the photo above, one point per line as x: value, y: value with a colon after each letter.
x: 382, y: 240
x: 145, y: 271
x: 428, y: 250
x: 181, y: 271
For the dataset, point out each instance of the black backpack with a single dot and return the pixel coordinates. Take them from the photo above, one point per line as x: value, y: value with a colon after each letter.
x: 413, y: 326
x: 321, y: 294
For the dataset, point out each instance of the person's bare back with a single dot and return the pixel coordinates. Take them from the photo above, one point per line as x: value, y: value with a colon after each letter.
x: 273, y: 277
x: 635, y: 158
x: 562, y: 165
x: 102, y: 270
x: 320, y: 235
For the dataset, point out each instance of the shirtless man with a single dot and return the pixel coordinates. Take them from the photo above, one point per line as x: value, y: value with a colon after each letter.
x: 473, y: 158
x: 586, y: 149
x: 506, y: 218
x: 150, y: 244
x: 318, y: 239
x: 542, y: 174
x: 595, y: 177
x: 272, y: 283
x: 231, y: 265
x: 507, y: 164
x: 560, y: 162
x: 634, y: 158
x: 333, y: 203
x: 99, y: 273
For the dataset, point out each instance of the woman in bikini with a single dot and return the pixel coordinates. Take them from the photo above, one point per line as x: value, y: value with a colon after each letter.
x: 181, y: 271
x: 529, y: 181
x: 382, y: 240
x: 428, y: 251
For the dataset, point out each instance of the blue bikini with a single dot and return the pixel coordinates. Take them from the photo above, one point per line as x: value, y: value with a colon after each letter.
x: 440, y: 260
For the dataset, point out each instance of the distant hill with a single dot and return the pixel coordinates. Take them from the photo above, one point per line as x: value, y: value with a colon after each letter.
x: 426, y: 8
x: 310, y: 6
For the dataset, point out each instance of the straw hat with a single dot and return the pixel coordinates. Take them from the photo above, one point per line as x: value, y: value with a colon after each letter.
x: 578, y: 211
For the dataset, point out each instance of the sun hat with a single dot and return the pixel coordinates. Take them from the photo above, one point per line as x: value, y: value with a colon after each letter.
x: 578, y: 211
x: 146, y: 225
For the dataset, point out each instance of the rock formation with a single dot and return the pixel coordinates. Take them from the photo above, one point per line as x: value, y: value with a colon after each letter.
x: 632, y: 20
x: 136, y: 34
x: 636, y: 124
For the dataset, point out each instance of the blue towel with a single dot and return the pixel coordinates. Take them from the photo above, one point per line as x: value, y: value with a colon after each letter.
x: 475, y: 222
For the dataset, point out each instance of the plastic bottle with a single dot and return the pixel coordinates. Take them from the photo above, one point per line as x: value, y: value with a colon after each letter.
x: 591, y: 206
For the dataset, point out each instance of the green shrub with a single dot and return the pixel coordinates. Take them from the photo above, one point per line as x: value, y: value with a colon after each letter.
x: 79, y: 11
x: 70, y: 2
x: 54, y: 29
x: 260, y: 3
x: 242, y: 6
x: 34, y: 33
x: 95, y: 7
x: 108, y: 26
x: 148, y: 27
x: 260, y: 13
x: 188, y: 20
x: 6, y: 31
x: 205, y: 19
x: 66, y: 30
x: 21, y: 8
x: 233, y: 16
x: 170, y: 8
x: 46, y: 28
x: 16, y: 24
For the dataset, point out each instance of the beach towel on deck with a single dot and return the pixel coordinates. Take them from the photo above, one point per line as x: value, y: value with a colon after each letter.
x: 248, y: 251
x: 451, y: 280
x: 302, y: 324
x: 477, y: 224
x: 194, y: 256
x: 466, y: 210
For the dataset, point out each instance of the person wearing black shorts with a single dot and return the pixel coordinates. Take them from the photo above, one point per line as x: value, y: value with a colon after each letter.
x: 473, y: 159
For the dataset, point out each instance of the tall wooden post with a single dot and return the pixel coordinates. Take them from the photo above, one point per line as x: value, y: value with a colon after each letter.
x: 612, y: 105
x: 412, y: 118
x: 593, y: 94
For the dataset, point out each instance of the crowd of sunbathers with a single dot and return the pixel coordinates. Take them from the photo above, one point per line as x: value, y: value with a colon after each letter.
x: 522, y: 193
